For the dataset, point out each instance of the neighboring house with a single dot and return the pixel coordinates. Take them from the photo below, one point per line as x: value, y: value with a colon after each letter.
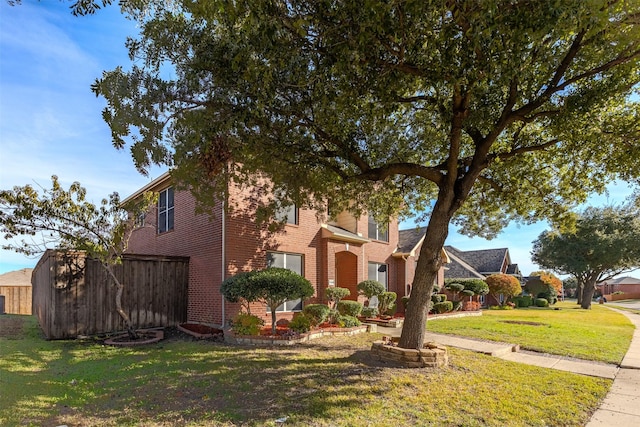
x: 629, y: 286
x: 480, y: 264
x: 16, y: 292
x: 342, y: 252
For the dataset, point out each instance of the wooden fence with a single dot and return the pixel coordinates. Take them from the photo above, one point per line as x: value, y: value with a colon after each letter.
x: 17, y: 299
x: 73, y: 295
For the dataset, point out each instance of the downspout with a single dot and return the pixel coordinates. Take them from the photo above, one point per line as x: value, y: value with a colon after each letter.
x: 223, y: 255
x: 223, y: 239
x: 406, y: 272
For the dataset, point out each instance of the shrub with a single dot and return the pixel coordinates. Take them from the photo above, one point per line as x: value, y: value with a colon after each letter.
x: 405, y: 301
x: 523, y: 301
x: 438, y: 298
x: 370, y: 288
x: 385, y: 301
x: 477, y: 286
x: 501, y: 307
x: 346, y: 321
x: 369, y: 312
x: 443, y: 307
x: 349, y: 308
x: 618, y: 293
x: 541, y: 302
x: 247, y: 324
x: 467, y: 292
x: 274, y: 286
x: 503, y: 284
x: 318, y: 313
x: 471, y: 306
x: 335, y: 294
x: 301, y: 323
x: 457, y: 305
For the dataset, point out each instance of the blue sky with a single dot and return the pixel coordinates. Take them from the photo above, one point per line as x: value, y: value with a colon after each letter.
x: 51, y: 123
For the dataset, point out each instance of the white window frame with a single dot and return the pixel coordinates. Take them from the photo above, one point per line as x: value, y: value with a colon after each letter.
x: 378, y: 234
x: 377, y: 278
x: 168, y: 211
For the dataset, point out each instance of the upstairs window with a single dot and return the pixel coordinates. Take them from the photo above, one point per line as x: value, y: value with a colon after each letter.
x: 377, y: 231
x: 288, y: 215
x: 165, y: 210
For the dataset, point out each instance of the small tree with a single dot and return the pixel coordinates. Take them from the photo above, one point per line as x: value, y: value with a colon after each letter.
x: 335, y: 294
x: 65, y: 220
x: 386, y: 301
x: 370, y: 288
x: 503, y: 284
x: 274, y: 286
x: 455, y: 289
x: 238, y: 289
x: 476, y: 286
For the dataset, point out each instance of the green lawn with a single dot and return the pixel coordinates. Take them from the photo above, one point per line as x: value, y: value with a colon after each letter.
x: 598, y: 334
x: 327, y: 382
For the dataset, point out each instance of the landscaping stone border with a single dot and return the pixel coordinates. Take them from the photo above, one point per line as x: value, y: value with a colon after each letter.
x: 432, y: 355
x: 454, y: 314
x: 231, y: 338
x: 155, y: 335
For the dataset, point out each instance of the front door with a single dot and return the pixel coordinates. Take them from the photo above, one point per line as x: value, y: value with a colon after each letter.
x: 347, y: 273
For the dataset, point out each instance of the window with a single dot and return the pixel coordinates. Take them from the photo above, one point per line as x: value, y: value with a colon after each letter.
x: 288, y: 214
x: 140, y: 220
x: 377, y: 232
x: 378, y: 272
x: 291, y: 262
x: 165, y: 210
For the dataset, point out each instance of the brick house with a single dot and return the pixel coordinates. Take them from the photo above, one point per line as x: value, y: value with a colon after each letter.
x: 629, y: 286
x: 480, y: 264
x: 341, y: 252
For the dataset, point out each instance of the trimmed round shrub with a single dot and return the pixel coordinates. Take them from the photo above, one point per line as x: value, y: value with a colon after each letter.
x: 370, y: 288
x: 438, y: 298
x: 541, y: 302
x: 386, y: 301
x: 301, y: 323
x: 349, y: 308
x: 369, y: 312
x: 346, y: 321
x: 467, y: 292
x: 457, y: 305
x: 405, y: 301
x: 318, y: 313
x: 443, y: 307
x: 335, y: 294
x: 247, y: 324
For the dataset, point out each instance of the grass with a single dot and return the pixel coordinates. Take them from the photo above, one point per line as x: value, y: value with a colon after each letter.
x: 327, y: 382
x: 598, y: 334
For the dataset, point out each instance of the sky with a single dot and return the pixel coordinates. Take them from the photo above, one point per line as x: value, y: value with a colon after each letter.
x: 51, y: 122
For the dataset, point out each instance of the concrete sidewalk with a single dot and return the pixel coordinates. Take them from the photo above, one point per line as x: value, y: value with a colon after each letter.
x: 621, y: 406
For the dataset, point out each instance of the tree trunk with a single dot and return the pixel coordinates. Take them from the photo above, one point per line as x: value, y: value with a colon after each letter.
x: 429, y: 263
x: 579, y: 289
x: 273, y: 320
x: 125, y: 317
x: 587, y: 293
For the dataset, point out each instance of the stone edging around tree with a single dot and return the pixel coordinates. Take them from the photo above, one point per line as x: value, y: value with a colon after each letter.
x: 432, y: 355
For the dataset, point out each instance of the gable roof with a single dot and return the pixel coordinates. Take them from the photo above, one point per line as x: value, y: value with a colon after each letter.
x: 479, y: 263
x: 408, y: 240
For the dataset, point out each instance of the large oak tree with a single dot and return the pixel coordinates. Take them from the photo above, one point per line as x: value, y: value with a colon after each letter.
x: 604, y: 243
x: 476, y: 113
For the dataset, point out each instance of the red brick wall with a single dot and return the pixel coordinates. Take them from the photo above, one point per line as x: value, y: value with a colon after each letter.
x: 199, y: 238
